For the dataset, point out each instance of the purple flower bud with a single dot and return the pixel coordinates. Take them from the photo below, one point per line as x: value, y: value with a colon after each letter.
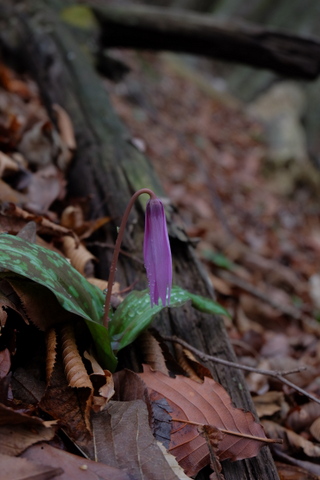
x: 157, y: 253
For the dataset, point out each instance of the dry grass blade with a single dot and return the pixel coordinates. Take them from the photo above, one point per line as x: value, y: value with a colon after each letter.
x: 75, y: 370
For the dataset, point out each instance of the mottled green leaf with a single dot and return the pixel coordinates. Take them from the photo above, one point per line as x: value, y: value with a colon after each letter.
x: 135, y: 313
x: 206, y: 305
x: 72, y: 290
x: 218, y: 259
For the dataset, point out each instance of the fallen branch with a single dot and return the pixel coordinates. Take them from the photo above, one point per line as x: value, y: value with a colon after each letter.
x: 155, y: 28
x: 279, y: 375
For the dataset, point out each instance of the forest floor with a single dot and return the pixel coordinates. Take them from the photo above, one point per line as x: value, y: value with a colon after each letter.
x: 261, y: 248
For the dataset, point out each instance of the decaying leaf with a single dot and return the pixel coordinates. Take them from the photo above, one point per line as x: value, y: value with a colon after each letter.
x: 270, y: 403
x: 13, y: 468
x: 292, y: 442
x: 292, y: 472
x: 73, y: 466
x: 75, y: 419
x: 303, y: 416
x: 124, y: 440
x: 102, y: 382
x: 152, y: 352
x: 81, y: 259
x: 315, y: 429
x: 74, y: 368
x: 204, y: 404
x: 18, y: 431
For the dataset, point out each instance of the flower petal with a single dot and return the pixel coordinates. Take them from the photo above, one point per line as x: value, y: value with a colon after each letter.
x: 157, y: 253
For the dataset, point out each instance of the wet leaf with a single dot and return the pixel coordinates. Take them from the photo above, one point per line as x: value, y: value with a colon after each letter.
x: 72, y: 290
x: 135, y: 314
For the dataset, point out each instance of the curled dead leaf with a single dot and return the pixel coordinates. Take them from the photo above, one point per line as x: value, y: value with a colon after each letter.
x: 81, y: 259
x: 75, y: 370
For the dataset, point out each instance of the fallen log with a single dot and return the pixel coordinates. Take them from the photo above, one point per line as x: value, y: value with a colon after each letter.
x: 155, y: 28
x: 107, y: 169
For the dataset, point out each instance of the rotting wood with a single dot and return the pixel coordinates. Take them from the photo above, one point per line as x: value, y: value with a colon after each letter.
x: 106, y: 170
x: 156, y: 28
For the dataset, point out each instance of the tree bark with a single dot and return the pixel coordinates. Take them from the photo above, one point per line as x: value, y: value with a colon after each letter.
x: 107, y: 170
x: 157, y: 28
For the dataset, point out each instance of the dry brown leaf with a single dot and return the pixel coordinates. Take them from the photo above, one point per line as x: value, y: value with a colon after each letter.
x: 124, y: 440
x: 291, y: 440
x: 8, y: 194
x: 301, y: 417
x: 76, y: 418
x: 292, y: 472
x: 7, y: 164
x: 205, y: 404
x: 152, y: 352
x: 39, y: 303
x: 65, y: 127
x: 74, y: 368
x: 173, y: 463
x: 315, y: 429
x: 270, y: 403
x: 19, y: 217
x: 103, y: 384
x: 45, y: 186
x: 74, y: 467
x: 14, y: 439
x: 190, y: 365
x: 81, y: 259
x: 72, y: 217
x: 13, y: 468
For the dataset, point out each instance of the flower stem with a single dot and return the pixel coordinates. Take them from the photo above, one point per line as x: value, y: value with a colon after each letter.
x: 116, y: 251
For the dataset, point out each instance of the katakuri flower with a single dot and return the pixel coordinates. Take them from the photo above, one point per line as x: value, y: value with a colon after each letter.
x: 157, y: 253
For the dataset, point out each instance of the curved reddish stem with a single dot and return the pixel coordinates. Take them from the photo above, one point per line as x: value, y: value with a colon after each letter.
x: 116, y: 251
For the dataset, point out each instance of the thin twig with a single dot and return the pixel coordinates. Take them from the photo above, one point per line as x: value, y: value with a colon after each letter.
x: 280, y: 375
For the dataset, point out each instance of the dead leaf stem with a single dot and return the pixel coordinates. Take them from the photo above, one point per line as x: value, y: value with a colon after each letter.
x: 280, y: 375
x: 231, y: 432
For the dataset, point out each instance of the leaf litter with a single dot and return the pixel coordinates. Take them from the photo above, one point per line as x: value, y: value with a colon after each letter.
x: 257, y: 241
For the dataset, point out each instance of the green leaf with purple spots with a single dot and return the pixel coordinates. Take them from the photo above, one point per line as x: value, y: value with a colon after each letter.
x: 71, y: 289
x: 135, y: 314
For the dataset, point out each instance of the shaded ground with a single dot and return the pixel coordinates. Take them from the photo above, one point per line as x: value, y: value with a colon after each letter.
x: 261, y: 249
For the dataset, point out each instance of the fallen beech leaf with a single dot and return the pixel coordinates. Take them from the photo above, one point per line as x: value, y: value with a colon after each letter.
x: 303, y: 416
x: 13, y: 468
x: 292, y: 472
x: 190, y: 365
x: 15, y: 438
x: 123, y: 439
x: 204, y: 404
x: 7, y: 164
x: 291, y: 440
x: 315, y: 429
x: 270, y: 403
x: 74, y: 467
x: 173, y: 463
